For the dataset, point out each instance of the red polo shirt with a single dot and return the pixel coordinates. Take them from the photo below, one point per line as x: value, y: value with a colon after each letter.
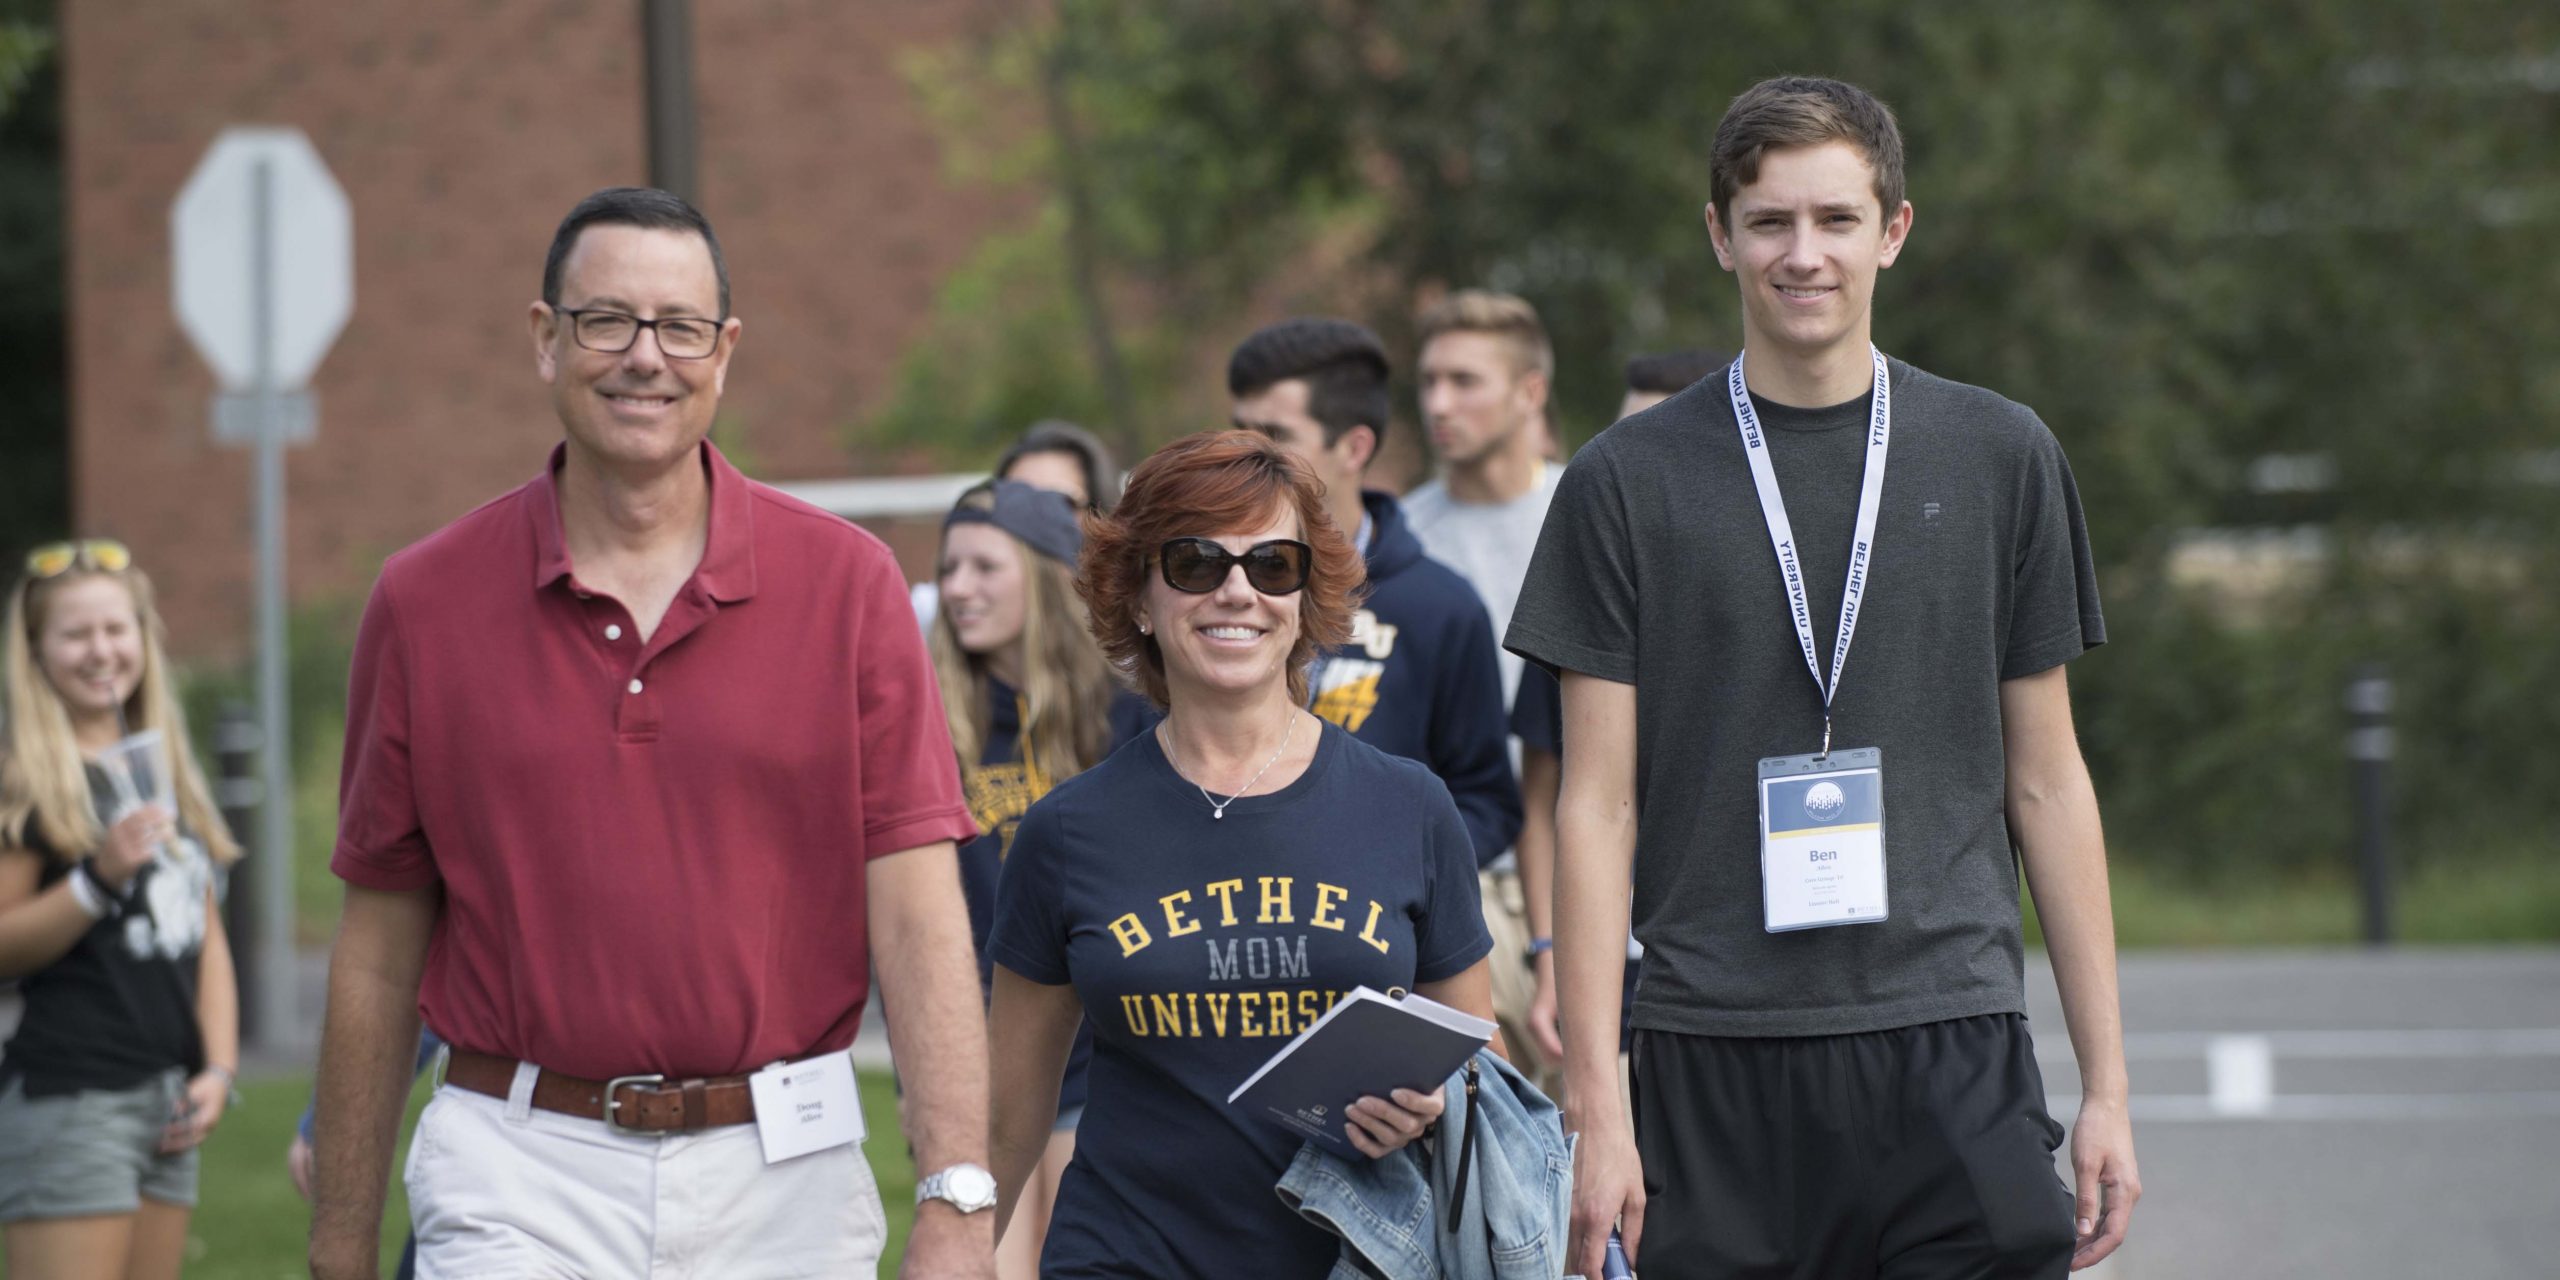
x: 652, y: 856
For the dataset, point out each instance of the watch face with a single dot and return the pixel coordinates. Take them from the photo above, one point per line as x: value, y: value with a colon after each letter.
x: 974, y: 1186
x: 970, y: 1187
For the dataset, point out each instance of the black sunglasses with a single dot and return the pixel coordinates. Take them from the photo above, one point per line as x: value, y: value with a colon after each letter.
x: 1197, y: 565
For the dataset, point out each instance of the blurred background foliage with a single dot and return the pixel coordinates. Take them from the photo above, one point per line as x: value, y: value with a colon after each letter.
x: 2275, y: 274
x: 35, y: 497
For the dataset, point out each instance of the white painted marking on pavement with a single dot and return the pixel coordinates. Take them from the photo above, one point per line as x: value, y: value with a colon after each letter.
x: 2240, y: 1074
x: 2520, y: 1042
x: 2177, y: 1108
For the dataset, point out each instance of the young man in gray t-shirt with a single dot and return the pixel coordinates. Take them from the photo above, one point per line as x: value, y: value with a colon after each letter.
x: 1483, y: 371
x: 1833, y: 1075
x: 1484, y: 368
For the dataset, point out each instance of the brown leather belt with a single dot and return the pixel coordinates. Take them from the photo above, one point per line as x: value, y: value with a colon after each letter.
x: 633, y: 1104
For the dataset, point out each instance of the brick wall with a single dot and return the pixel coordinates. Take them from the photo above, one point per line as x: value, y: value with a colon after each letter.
x: 462, y: 132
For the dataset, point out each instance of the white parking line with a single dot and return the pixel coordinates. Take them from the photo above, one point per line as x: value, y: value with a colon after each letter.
x: 2523, y: 1042
x: 2241, y: 1075
x: 2180, y: 1108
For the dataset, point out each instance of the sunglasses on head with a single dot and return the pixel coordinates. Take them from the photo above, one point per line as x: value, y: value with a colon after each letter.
x: 54, y: 559
x: 1197, y: 565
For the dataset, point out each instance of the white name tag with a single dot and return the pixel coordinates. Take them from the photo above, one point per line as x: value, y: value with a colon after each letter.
x: 1822, y: 839
x: 806, y: 1106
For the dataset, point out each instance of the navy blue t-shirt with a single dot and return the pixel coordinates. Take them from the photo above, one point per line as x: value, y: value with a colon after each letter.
x: 1001, y: 787
x: 1537, y: 720
x: 1537, y: 711
x: 1199, y: 947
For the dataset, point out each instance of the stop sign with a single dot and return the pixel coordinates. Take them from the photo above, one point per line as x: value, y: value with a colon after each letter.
x: 263, y: 259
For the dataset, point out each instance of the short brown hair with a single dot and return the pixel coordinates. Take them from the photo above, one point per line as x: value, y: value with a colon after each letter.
x: 1210, y: 483
x: 1504, y: 315
x: 1343, y: 364
x: 1803, y: 111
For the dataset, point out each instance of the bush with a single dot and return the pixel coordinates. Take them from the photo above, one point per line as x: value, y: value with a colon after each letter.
x: 2219, y: 746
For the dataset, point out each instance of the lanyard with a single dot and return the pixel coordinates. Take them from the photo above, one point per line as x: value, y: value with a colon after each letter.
x: 1782, y: 536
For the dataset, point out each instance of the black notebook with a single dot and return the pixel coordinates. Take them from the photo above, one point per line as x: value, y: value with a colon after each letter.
x: 1367, y: 1045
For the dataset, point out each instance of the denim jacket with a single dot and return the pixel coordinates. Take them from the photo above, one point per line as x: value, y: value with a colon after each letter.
x: 1516, y: 1196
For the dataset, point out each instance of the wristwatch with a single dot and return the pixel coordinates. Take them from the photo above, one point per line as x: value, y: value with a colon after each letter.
x: 965, y: 1187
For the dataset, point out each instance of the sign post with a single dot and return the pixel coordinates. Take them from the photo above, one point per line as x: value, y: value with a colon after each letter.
x: 263, y: 271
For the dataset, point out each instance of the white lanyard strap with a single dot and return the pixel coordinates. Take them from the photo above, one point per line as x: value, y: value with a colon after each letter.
x: 1782, y: 536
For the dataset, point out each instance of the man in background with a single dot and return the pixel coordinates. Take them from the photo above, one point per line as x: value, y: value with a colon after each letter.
x: 1485, y: 366
x: 1418, y: 677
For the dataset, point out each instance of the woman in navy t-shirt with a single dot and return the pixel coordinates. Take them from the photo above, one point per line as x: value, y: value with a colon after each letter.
x: 1213, y: 887
x: 1031, y: 702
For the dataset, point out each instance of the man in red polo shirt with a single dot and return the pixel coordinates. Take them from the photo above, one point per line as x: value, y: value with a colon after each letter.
x: 639, y: 758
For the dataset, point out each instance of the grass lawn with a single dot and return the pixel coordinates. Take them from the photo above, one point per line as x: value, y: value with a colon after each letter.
x: 249, y: 1224
x: 2439, y: 904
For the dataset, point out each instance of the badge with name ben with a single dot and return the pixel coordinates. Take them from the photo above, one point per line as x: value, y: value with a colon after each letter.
x: 806, y: 1106
x: 1822, y: 839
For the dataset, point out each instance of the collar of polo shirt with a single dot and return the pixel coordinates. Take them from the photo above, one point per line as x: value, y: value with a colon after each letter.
x: 728, y: 569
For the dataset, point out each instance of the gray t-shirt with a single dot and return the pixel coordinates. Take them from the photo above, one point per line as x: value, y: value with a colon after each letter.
x: 1488, y: 543
x: 1654, y: 569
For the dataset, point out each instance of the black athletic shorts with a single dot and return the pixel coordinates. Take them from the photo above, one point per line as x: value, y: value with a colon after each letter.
x: 1920, y: 1153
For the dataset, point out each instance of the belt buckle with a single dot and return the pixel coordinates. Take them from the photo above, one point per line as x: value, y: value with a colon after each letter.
x: 612, y: 1105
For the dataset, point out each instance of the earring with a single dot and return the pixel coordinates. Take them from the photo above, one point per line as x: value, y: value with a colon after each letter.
x: 1142, y: 630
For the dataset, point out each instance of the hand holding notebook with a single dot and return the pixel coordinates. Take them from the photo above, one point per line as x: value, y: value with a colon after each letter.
x: 1369, y: 1044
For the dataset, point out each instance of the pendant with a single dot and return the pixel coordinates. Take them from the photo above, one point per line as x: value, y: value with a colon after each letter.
x: 1219, y: 812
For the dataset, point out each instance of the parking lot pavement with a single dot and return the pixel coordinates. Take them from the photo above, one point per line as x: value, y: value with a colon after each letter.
x: 2340, y: 1115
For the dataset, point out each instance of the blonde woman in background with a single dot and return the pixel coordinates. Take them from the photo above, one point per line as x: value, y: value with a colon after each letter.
x: 1031, y: 702
x: 127, y: 1054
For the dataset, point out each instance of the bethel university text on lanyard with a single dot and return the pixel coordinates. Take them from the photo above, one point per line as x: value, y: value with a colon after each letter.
x: 1821, y: 815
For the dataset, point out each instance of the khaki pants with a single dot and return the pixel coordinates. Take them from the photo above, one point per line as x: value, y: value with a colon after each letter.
x: 500, y: 1190
x: 1514, y: 982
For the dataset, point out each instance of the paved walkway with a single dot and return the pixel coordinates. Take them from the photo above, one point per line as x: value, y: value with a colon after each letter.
x: 2339, y: 1115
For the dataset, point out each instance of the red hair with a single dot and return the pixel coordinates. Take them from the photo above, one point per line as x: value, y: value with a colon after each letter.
x: 1212, y: 483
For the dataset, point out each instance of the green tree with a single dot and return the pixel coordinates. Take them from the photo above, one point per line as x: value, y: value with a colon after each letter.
x: 2192, y: 236
x: 35, y: 483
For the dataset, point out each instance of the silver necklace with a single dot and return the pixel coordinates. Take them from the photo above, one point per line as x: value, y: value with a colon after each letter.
x: 1218, y: 807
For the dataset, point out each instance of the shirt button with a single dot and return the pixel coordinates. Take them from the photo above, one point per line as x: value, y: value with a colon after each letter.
x: 613, y: 631
x: 635, y: 686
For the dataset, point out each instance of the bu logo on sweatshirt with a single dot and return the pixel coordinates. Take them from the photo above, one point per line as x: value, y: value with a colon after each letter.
x: 1345, y: 686
x: 1370, y: 636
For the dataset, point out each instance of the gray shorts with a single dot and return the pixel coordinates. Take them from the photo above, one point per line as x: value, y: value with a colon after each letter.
x: 91, y: 1153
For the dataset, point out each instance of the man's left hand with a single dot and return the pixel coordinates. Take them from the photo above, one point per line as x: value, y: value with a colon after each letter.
x: 947, y: 1244
x: 2105, y: 1178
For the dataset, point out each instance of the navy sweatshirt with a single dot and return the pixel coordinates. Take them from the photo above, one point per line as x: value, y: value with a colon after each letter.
x: 1418, y: 679
x: 1000, y: 789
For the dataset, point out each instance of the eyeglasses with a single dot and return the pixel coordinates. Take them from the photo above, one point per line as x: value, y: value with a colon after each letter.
x: 612, y: 333
x: 1197, y: 565
x: 54, y: 559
